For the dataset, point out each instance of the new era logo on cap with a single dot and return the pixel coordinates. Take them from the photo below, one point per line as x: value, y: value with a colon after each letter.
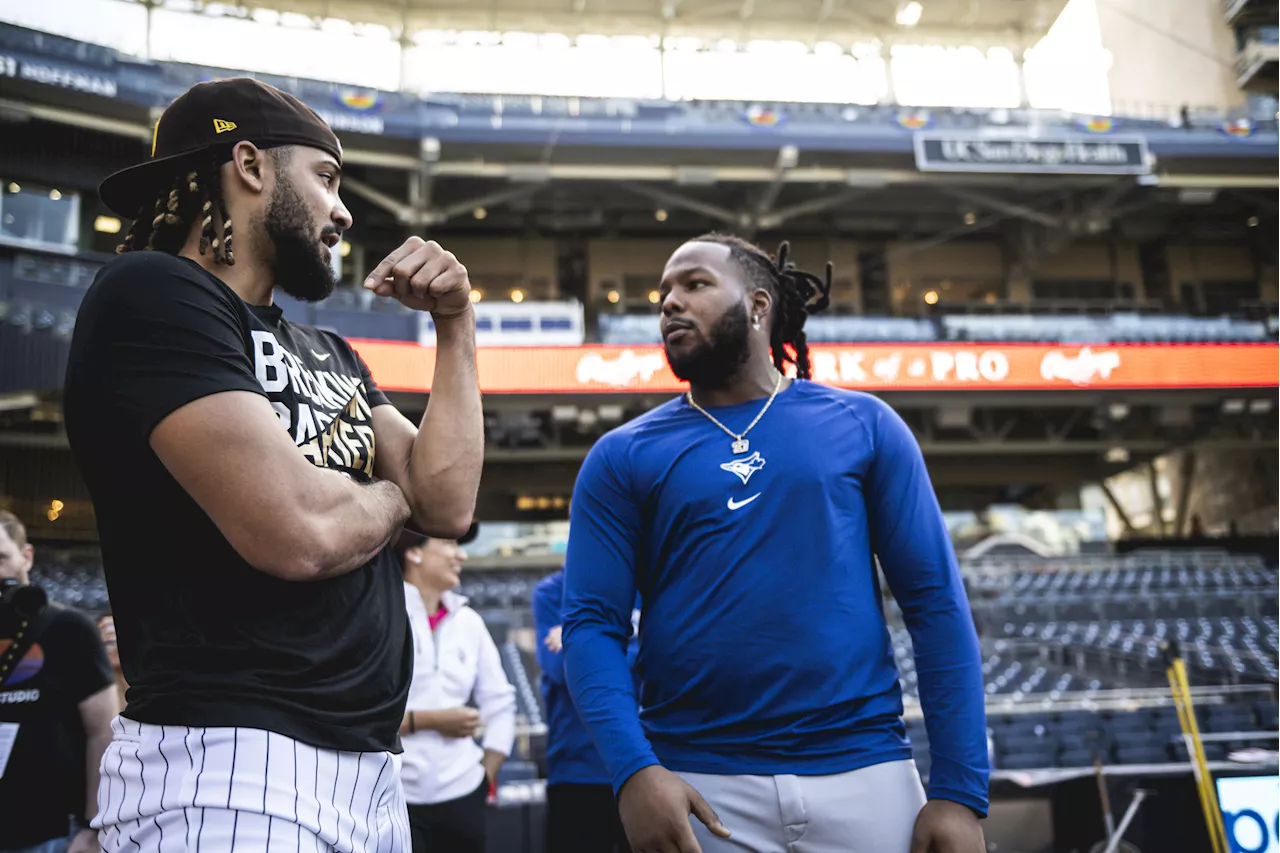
x: 264, y: 116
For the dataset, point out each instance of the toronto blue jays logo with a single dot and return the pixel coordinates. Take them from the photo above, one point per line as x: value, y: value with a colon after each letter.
x: 744, y: 468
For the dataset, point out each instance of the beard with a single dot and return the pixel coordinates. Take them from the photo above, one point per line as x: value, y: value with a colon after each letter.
x: 715, y: 360
x: 301, y: 265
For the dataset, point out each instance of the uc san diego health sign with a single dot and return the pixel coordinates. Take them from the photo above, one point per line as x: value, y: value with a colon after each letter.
x: 941, y: 151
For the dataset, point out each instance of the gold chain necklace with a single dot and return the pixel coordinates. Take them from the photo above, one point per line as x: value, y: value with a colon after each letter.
x: 740, y: 443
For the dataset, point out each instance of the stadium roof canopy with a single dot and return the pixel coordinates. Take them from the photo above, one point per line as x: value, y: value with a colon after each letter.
x: 981, y: 22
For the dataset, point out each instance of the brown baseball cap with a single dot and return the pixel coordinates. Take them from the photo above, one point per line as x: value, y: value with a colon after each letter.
x: 209, y: 119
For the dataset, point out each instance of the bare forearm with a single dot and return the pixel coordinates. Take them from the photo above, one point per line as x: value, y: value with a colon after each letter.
x: 448, y: 453
x: 419, y: 721
x: 493, y: 761
x: 355, y: 526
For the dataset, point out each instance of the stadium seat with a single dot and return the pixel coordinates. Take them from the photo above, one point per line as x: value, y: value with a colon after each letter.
x: 1078, y: 758
x: 1032, y: 760
x: 1267, y: 715
x: 1144, y: 753
x: 1227, y: 718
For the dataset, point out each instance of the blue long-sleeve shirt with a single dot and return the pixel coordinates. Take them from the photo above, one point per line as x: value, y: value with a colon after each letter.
x: 572, y: 757
x: 764, y: 649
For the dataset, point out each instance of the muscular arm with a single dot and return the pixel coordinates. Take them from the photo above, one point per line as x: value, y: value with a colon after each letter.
x: 599, y: 593
x: 437, y: 465
x: 915, y: 551
x: 283, y: 515
x: 171, y: 348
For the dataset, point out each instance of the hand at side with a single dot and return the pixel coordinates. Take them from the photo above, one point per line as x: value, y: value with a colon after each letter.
x: 655, y: 805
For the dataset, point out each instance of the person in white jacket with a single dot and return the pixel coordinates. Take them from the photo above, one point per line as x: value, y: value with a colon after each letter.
x: 446, y: 775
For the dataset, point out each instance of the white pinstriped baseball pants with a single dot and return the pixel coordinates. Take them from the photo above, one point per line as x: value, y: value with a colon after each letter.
x: 167, y: 789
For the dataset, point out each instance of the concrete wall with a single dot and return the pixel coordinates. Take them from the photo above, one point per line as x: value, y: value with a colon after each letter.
x: 498, y: 265
x: 635, y: 266
x: 955, y: 271
x: 1198, y: 263
x: 1227, y: 486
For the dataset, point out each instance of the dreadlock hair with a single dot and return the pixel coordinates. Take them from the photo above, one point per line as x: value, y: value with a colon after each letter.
x: 796, y: 294
x: 163, y: 225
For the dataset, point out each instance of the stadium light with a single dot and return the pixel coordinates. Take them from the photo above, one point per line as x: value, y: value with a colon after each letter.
x: 55, y: 195
x: 614, y: 297
x: 14, y: 187
x: 909, y: 14
x: 660, y: 214
x: 654, y: 297
x: 479, y: 213
x: 106, y: 225
x: 477, y: 295
x: 52, y: 515
x: 517, y: 296
x: 344, y: 249
x: 57, y: 505
x: 931, y: 297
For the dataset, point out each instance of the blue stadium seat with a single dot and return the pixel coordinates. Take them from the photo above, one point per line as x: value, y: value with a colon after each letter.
x: 1078, y: 758
x: 1227, y: 718
x: 1144, y: 753
x: 1031, y: 760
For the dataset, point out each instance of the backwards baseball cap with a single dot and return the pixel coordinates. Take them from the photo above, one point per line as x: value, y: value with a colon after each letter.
x: 209, y: 119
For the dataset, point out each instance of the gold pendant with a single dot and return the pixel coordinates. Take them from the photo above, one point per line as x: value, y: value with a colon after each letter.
x: 741, y: 446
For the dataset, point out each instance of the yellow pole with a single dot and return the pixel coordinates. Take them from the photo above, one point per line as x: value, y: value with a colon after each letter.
x: 1195, y: 765
x: 1181, y: 688
x: 1214, y: 815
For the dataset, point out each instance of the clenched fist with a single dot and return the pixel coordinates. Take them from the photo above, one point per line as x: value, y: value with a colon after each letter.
x: 424, y: 277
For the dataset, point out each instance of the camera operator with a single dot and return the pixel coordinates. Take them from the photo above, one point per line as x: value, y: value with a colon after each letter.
x: 57, y: 700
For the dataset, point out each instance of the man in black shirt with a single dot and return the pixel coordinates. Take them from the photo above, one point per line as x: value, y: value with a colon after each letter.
x: 57, y: 698
x: 247, y: 476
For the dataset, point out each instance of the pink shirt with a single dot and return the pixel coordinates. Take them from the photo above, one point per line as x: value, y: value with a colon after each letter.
x: 436, y: 618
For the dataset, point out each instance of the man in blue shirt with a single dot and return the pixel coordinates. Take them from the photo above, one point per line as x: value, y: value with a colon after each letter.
x: 748, y: 514
x: 582, y: 815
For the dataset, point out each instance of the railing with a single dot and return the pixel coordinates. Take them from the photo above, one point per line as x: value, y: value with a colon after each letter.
x: 1116, y: 699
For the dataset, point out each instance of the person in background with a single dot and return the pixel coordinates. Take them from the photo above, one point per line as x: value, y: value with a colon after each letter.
x: 582, y: 814
x: 107, y: 627
x: 446, y: 775
x: 57, y: 699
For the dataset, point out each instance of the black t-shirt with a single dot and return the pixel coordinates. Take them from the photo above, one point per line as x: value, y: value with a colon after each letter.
x: 43, y: 783
x: 205, y: 639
